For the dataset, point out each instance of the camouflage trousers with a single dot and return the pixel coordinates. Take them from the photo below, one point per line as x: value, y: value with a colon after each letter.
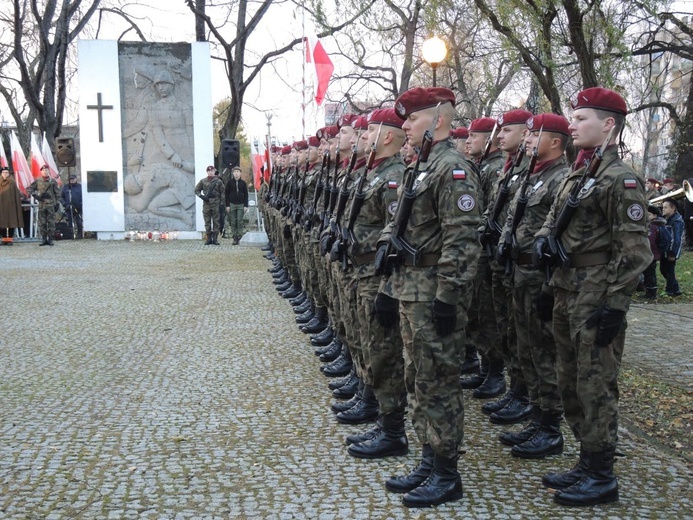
x: 236, y: 220
x: 318, y: 270
x: 536, y: 349
x: 482, y: 330
x: 210, y: 212
x: 345, y: 287
x: 382, y: 352
x: 431, y: 375
x: 587, y: 374
x: 46, y: 219
x: 289, y: 251
x: 502, y: 304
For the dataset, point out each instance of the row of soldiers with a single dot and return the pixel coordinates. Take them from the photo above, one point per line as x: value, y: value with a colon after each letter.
x: 488, y: 241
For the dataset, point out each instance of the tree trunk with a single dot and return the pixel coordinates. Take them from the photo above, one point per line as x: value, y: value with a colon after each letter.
x: 684, y: 141
x: 200, y: 35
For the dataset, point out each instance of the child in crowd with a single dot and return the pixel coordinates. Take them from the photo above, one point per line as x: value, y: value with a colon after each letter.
x: 667, y: 264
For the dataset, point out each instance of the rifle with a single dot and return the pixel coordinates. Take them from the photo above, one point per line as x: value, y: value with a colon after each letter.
x: 348, y: 239
x: 489, y: 142
x: 557, y: 254
x: 339, y: 207
x: 492, y: 230
x: 330, y: 195
x: 299, y: 209
x: 509, y: 247
x: 397, y: 245
x: 310, y: 211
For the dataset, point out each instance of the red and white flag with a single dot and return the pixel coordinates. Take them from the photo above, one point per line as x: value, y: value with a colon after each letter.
x: 316, y: 55
x: 3, y: 157
x: 268, y: 159
x: 22, y: 173
x: 48, y: 158
x: 37, y: 160
x: 258, y: 160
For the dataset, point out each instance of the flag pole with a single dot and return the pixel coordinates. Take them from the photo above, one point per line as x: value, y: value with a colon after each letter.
x: 303, y: 78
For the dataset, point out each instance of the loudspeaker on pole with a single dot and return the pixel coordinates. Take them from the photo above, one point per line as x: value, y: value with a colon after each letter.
x: 65, y: 151
x: 230, y: 153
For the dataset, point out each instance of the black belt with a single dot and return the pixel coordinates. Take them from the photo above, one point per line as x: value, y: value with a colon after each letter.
x: 426, y: 260
x: 366, y: 258
x: 589, y: 259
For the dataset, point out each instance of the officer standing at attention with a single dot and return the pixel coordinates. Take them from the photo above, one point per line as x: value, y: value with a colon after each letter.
x: 45, y: 190
x: 427, y: 288
x: 210, y: 190
x: 607, y: 248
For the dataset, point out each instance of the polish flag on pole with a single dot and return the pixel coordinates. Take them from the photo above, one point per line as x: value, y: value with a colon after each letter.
x: 258, y: 161
x: 48, y: 158
x: 268, y: 159
x: 315, y: 54
x: 37, y: 160
x: 3, y: 157
x: 22, y: 173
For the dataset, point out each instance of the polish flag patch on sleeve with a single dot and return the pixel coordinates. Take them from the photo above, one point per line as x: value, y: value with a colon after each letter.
x: 392, y: 184
x: 630, y: 183
x: 459, y: 175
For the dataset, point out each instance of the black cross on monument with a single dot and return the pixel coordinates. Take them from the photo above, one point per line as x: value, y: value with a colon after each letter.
x: 100, y: 108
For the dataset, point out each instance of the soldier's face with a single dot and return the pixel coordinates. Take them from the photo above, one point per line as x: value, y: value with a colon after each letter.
x: 345, y: 135
x: 5, y: 174
x: 476, y: 142
x: 44, y: 172
x: 511, y: 136
x: 587, y: 130
x: 416, y: 125
x: 333, y: 147
x: 313, y: 154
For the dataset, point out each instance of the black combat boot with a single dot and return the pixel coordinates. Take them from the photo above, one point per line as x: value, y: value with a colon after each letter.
x: 568, y: 478
x: 348, y: 389
x: 494, y: 384
x: 329, y: 347
x: 215, y: 238
x: 280, y: 274
x: 292, y: 292
x: 333, y: 353
x: 443, y: 485
x: 324, y: 337
x: 475, y: 380
x: 651, y: 293
x: 342, y: 406
x: 390, y: 441
x: 470, y: 365
x: 548, y: 440
x: 515, y: 411
x: 340, y: 366
x: 494, y: 406
x: 304, y: 318
x: 366, y: 410
x: 268, y: 247
x: 299, y: 300
x: 318, y: 323
x: 209, y: 239
x: 45, y: 241
x: 341, y: 381
x: 281, y: 287
x: 236, y: 240
x: 49, y: 240
x: 416, y: 477
x: 599, y: 485
x: 513, y: 438
x: 306, y: 305
x: 355, y: 438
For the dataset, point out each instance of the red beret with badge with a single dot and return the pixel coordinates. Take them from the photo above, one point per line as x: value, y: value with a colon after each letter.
x: 514, y: 117
x: 550, y: 123
x: 331, y: 132
x: 482, y: 125
x: 320, y: 134
x: 599, y: 98
x: 313, y: 141
x: 668, y: 181
x: 360, y: 123
x: 652, y: 180
x: 420, y: 98
x: 460, y: 132
x: 386, y: 116
x: 346, y: 119
x: 286, y: 150
x: 301, y: 145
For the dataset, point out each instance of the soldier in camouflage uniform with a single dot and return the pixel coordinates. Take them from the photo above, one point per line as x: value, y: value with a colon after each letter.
x: 383, y: 369
x: 211, y: 191
x: 425, y: 292
x: 482, y: 331
x: 46, y: 191
x: 607, y: 246
x: 535, y: 345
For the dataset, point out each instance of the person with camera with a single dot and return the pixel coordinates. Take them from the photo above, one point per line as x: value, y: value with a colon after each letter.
x: 45, y: 190
x: 71, y: 199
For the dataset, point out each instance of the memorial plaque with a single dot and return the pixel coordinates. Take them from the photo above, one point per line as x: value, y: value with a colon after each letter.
x: 102, y: 182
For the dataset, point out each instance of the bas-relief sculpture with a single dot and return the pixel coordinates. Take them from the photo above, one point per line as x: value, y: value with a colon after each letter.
x: 159, y: 178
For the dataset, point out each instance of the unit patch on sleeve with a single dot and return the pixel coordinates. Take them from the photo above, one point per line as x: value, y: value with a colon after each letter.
x: 466, y: 203
x: 459, y: 175
x: 392, y: 185
x: 635, y: 212
x: 392, y: 208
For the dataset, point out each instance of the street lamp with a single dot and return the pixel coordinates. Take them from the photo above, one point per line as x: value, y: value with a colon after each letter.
x: 434, y: 51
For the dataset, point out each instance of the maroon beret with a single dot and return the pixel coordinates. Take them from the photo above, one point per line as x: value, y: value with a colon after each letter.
x: 320, y: 134
x: 550, y: 122
x: 386, y: 116
x: 286, y: 150
x: 652, y: 180
x: 420, y: 98
x: 360, y: 123
x: 301, y: 145
x: 460, y: 132
x: 482, y: 125
x: 331, y: 132
x: 346, y: 119
x: 514, y: 117
x: 599, y: 98
x: 275, y: 149
x: 313, y: 141
x: 668, y: 181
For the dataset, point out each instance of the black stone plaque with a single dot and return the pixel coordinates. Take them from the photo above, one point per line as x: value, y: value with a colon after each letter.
x: 100, y: 182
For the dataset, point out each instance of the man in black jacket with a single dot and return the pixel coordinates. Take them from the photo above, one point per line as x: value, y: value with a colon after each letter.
x: 236, y: 204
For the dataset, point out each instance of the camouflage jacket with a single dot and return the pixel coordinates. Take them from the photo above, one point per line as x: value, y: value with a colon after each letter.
x: 443, y: 224
x: 611, y: 219
x: 489, y: 171
x: 212, y: 188
x: 379, y: 205
x: 541, y: 191
x: 41, y: 187
x: 513, y: 185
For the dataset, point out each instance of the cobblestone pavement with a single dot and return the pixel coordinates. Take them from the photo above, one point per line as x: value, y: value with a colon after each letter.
x: 168, y: 381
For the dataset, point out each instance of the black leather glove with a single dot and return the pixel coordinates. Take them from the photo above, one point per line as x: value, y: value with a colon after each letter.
x: 325, y: 242
x: 45, y: 196
x: 608, y: 322
x: 386, y: 310
x: 336, y: 251
x: 503, y: 252
x: 205, y: 198
x: 381, y: 267
x: 543, y: 304
x: 444, y: 317
x: 540, y: 247
x: 287, y: 231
